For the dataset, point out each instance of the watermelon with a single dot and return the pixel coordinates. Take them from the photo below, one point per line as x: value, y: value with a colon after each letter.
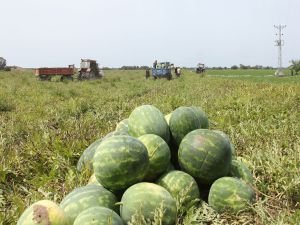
x: 43, y: 212
x: 86, y: 197
x: 159, y: 155
x: 240, y: 170
x: 148, y: 199
x: 115, y: 133
x: 147, y: 119
x: 227, y: 138
x: 98, y: 215
x: 200, y: 114
x: 182, y: 186
x: 85, y: 161
x: 93, y: 180
x: 205, y: 154
x: 230, y: 194
x: 183, y: 120
x: 170, y: 167
x: 123, y: 126
x: 120, y: 161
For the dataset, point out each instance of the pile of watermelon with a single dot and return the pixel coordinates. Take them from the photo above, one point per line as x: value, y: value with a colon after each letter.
x: 153, y: 165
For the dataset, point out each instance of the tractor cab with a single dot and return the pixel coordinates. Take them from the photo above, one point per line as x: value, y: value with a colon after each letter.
x: 200, y: 68
x: 89, y: 69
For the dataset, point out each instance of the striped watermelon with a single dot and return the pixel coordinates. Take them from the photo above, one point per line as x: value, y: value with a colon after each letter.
x: 182, y: 187
x: 120, y: 161
x: 205, y: 155
x: 200, y: 114
x: 159, y: 155
x: 85, y: 161
x: 230, y: 194
x: 98, y: 216
x: 148, y: 199
x: 86, y: 197
x: 240, y: 170
x: 43, y: 212
x: 183, y: 120
x: 123, y: 126
x: 227, y: 138
x: 147, y: 119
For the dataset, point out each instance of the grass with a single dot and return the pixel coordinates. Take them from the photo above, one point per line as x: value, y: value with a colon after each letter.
x: 45, y: 126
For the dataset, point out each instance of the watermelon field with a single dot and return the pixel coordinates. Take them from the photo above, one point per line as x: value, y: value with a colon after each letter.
x: 46, y: 126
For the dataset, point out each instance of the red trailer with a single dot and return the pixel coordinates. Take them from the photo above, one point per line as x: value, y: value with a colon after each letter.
x: 47, y: 73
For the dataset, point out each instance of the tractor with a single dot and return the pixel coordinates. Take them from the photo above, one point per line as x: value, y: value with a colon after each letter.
x: 200, y: 68
x: 162, y: 70
x: 89, y: 69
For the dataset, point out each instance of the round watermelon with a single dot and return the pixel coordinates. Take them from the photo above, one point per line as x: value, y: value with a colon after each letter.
x: 148, y: 199
x: 228, y: 139
x: 85, y: 161
x: 120, y: 161
x: 205, y: 155
x: 147, y: 119
x: 98, y: 215
x: 230, y: 194
x: 123, y: 126
x: 86, y: 197
x: 183, y: 120
x: 159, y: 155
x: 240, y: 170
x: 43, y: 212
x: 200, y: 114
x: 182, y: 186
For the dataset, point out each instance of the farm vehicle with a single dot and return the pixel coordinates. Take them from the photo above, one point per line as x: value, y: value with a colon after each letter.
x: 88, y: 70
x: 162, y: 70
x: 200, y: 68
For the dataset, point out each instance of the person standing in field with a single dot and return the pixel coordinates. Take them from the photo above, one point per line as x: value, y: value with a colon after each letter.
x: 155, y: 64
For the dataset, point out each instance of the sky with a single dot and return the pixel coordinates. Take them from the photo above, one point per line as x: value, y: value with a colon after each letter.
x: 50, y: 33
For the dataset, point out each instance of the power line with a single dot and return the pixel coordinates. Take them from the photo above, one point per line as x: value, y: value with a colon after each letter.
x: 279, y: 43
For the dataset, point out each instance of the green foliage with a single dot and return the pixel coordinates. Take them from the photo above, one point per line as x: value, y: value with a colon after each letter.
x: 46, y: 126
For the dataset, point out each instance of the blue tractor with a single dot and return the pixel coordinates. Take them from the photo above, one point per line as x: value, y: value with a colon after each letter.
x: 162, y: 70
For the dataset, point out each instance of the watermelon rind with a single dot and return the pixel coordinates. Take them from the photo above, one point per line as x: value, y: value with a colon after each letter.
x: 120, y: 161
x: 230, y: 194
x: 182, y: 186
x: 205, y: 155
x: 123, y: 126
x: 148, y: 199
x: 233, y: 153
x: 147, y: 119
x: 86, y: 197
x: 159, y: 155
x: 240, y: 170
x: 98, y: 216
x: 201, y: 115
x: 43, y: 212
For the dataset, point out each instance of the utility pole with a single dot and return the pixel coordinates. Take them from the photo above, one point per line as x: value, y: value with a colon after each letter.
x: 279, y: 42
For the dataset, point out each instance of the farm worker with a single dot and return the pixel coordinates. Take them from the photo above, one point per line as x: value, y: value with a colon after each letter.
x: 154, y: 64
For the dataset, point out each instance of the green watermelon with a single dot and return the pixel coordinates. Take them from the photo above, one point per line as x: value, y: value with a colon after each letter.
x: 230, y: 194
x: 115, y: 133
x: 182, y: 187
x: 43, y: 212
x: 98, y: 216
x: 170, y: 167
x: 123, y: 126
x: 147, y: 119
x: 183, y: 120
x: 85, y: 161
x: 120, y: 162
x: 148, y: 199
x: 86, y: 197
x: 205, y: 154
x: 159, y: 155
x: 227, y: 138
x: 240, y: 170
x: 200, y: 114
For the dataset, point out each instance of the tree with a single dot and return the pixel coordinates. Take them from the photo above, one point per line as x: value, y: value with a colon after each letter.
x: 2, y: 63
x: 234, y: 67
x: 295, y: 67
